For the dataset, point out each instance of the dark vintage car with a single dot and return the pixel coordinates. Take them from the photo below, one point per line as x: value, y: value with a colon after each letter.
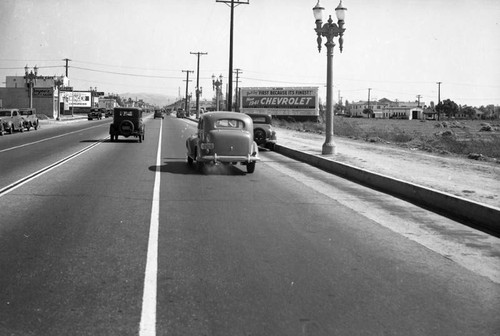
x: 180, y: 113
x: 30, y: 118
x: 263, y: 132
x: 11, y: 120
x: 223, y: 137
x: 127, y: 122
x: 158, y: 114
x: 95, y: 113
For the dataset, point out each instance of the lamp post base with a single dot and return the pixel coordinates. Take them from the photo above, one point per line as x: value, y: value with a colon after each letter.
x: 329, y: 148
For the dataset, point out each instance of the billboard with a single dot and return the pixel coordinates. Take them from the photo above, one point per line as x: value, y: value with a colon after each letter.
x: 43, y: 92
x: 280, y: 101
x: 76, y: 98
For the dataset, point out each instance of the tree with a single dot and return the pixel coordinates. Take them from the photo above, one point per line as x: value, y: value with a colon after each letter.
x: 448, y: 107
x: 468, y: 111
x: 347, y: 108
x: 368, y: 111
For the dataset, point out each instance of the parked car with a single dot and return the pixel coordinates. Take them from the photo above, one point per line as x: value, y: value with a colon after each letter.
x: 223, y: 137
x: 11, y: 120
x: 158, y: 114
x: 180, y: 113
x: 263, y: 133
x: 30, y: 118
x: 127, y: 122
x: 95, y: 113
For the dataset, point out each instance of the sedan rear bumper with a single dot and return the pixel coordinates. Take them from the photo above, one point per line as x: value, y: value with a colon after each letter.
x: 228, y: 158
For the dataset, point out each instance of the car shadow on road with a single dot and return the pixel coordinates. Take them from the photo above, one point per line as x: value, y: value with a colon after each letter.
x: 180, y: 166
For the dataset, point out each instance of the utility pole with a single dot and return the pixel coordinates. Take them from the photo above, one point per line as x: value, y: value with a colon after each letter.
x: 439, y: 99
x: 369, y: 89
x: 237, y: 71
x: 232, y: 4
x: 67, y: 60
x: 198, y: 89
x: 187, y: 85
x: 418, y: 97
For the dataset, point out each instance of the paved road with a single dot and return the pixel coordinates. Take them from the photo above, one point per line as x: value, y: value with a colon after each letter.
x: 121, y: 240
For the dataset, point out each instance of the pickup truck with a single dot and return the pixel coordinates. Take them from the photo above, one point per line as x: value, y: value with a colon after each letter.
x: 30, y: 118
x: 11, y: 120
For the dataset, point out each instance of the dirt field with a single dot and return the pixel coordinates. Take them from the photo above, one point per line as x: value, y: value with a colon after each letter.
x: 455, y: 174
x: 462, y: 137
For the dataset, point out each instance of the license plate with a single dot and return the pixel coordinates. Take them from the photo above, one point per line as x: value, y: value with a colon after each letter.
x: 207, y: 145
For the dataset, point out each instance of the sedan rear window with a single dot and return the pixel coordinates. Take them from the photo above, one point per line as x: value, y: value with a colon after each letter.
x: 126, y: 113
x: 229, y: 123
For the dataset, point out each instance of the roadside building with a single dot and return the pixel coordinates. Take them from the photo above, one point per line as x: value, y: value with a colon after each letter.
x: 387, y: 109
x: 43, y: 94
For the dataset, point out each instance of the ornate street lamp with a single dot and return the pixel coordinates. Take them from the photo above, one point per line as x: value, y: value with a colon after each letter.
x: 329, y: 30
x: 30, y: 79
x: 216, y: 85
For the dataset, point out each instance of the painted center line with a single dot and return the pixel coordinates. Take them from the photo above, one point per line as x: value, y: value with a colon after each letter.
x: 42, y: 171
x: 148, y: 314
x: 46, y: 139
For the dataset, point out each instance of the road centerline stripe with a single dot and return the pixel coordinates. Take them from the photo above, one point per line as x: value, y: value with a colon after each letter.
x: 42, y: 171
x: 148, y: 315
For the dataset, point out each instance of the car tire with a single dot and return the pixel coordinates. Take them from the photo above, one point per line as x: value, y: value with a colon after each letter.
x: 250, y: 167
x: 259, y: 137
x: 36, y: 126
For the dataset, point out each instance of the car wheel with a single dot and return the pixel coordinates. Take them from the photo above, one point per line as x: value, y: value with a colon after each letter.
x: 259, y: 136
x: 21, y: 128
x: 37, y: 124
x: 251, y: 167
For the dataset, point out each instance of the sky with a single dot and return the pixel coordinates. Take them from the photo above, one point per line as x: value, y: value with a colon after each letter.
x: 397, y: 48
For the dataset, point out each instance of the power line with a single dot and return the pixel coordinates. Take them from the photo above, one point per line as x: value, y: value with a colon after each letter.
x: 127, y: 74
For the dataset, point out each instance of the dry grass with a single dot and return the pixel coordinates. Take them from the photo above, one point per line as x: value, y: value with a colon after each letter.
x: 477, y: 139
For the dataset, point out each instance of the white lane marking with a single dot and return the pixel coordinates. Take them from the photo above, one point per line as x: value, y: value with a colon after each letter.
x: 42, y: 140
x: 148, y: 314
x: 18, y: 183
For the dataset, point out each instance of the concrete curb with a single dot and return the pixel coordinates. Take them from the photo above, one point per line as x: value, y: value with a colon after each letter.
x: 473, y: 214
x: 62, y: 120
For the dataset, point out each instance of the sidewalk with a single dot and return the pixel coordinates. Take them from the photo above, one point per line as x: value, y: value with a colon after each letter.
x: 64, y: 119
x: 470, y: 179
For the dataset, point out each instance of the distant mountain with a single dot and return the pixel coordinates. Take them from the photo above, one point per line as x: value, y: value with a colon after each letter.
x: 151, y: 98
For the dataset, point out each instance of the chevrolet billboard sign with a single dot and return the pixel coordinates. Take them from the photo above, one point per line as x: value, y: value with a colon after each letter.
x: 281, y: 102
